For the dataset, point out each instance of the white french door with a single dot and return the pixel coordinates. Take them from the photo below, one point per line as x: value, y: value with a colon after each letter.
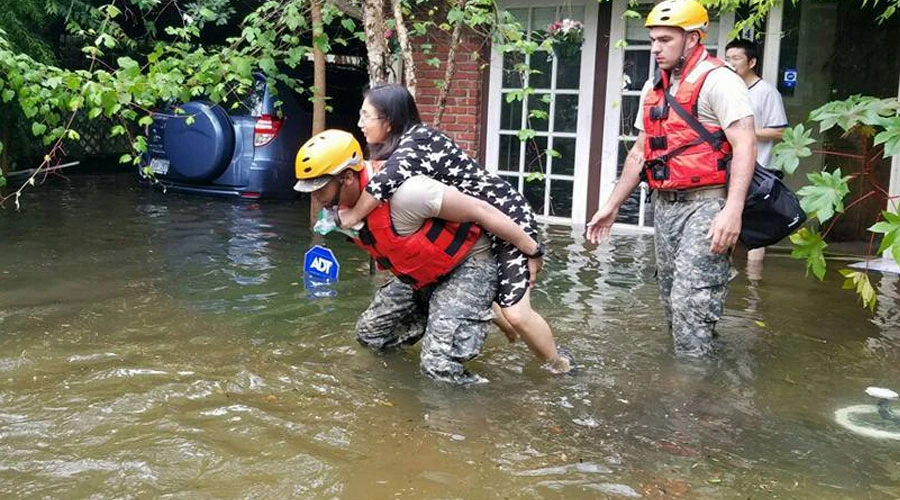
x: 550, y: 167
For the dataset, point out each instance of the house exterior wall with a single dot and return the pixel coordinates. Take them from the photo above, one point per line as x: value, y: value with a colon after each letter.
x: 464, y: 111
x: 473, y: 102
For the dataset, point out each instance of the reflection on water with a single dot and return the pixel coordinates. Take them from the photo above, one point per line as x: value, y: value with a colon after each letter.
x: 163, y: 346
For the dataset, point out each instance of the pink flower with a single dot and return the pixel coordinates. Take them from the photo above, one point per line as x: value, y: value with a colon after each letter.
x: 388, y: 33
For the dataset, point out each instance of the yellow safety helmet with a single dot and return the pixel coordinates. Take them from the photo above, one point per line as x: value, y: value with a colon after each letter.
x: 688, y: 15
x: 325, y: 155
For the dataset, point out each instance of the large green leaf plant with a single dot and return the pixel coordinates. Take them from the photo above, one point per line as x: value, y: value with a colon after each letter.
x: 870, y: 119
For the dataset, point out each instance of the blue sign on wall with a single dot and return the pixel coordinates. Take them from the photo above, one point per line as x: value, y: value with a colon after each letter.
x: 789, y: 80
x: 320, y: 267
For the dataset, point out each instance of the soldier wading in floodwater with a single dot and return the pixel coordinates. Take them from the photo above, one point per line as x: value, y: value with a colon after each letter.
x: 699, y: 197
x: 430, y: 237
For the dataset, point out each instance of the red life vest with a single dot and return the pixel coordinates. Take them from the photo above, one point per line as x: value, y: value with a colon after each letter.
x: 421, y: 258
x: 676, y: 156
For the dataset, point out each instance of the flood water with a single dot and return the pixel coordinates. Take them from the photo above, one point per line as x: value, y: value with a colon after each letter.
x: 162, y: 346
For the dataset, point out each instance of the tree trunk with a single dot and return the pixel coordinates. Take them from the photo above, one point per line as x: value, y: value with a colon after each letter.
x: 318, y: 122
x: 409, y: 68
x: 449, y: 70
x: 376, y: 43
x: 4, y: 155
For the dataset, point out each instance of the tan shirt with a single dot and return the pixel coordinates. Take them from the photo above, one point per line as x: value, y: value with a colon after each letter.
x: 723, y: 98
x: 419, y: 199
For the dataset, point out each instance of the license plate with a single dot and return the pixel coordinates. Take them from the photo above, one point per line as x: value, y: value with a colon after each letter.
x: 159, y: 166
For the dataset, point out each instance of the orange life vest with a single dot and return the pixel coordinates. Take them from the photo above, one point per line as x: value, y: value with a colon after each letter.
x: 421, y: 258
x: 676, y: 156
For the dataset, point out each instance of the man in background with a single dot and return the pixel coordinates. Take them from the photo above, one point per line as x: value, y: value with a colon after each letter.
x: 768, y: 108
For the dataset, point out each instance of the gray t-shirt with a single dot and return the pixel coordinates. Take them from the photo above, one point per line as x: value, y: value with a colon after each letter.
x: 768, y: 112
x: 419, y: 199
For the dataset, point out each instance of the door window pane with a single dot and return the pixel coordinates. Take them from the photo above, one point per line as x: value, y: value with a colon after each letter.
x: 534, y: 193
x: 510, y: 114
x: 536, y: 155
x: 536, y: 103
x: 568, y: 72
x: 634, y: 27
x: 541, y: 18
x: 561, y: 198
x: 542, y: 70
x: 564, y: 164
x: 636, y: 69
x: 566, y: 115
x: 630, y: 105
x: 512, y: 79
x: 509, y: 153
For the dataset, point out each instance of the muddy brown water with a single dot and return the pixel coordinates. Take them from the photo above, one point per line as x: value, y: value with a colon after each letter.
x: 163, y: 346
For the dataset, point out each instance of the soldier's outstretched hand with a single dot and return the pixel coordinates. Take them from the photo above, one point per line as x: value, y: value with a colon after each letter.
x: 601, y: 223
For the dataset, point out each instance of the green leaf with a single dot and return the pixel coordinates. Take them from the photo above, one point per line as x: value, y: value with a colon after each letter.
x: 73, y: 135
x: 525, y: 134
x: 125, y: 158
x: 859, y: 281
x: 38, y: 128
x: 75, y: 103
x: 825, y: 195
x: 190, y: 120
x: 793, y: 146
x: 112, y: 11
x: 8, y: 95
x: 145, y: 121
x: 891, y: 140
x: 890, y: 228
x: 534, y: 176
x: 810, y: 245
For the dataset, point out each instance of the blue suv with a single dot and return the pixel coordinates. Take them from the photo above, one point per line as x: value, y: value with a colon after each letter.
x: 246, y: 153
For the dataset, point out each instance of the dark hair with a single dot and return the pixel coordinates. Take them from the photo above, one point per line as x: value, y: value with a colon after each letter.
x: 396, y: 106
x: 751, y: 50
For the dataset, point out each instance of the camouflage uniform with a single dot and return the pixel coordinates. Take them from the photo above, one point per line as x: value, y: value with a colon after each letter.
x: 693, y: 282
x: 452, y: 315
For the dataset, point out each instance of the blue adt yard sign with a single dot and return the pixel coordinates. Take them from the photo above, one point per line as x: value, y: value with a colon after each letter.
x: 320, y: 266
x: 789, y: 80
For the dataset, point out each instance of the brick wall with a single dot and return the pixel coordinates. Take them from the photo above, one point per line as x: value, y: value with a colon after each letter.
x: 462, y: 119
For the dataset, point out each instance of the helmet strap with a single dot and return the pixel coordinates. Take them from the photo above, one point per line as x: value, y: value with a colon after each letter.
x: 336, y: 201
x: 682, y: 59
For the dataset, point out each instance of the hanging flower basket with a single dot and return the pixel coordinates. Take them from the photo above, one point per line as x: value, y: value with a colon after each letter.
x: 567, y: 36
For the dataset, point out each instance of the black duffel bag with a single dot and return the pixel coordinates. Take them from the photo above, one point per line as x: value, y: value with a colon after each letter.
x: 771, y: 212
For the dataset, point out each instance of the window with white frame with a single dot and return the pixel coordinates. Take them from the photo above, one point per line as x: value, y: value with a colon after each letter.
x: 542, y: 166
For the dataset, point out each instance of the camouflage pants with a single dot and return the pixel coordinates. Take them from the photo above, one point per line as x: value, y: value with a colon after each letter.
x: 452, y: 317
x: 693, y: 282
